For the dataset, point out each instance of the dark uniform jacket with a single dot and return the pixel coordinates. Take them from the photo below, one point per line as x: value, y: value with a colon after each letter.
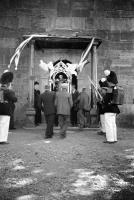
x: 47, y: 99
x: 74, y: 98
x: 9, y: 96
x: 108, y: 106
x: 36, y: 98
x: 10, y: 99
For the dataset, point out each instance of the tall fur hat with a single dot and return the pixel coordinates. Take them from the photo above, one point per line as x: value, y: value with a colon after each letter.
x: 6, y: 77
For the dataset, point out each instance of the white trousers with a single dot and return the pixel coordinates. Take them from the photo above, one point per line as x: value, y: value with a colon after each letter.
x: 102, y: 123
x: 110, y: 127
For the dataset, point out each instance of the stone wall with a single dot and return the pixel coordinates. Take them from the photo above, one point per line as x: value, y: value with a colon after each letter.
x: 110, y: 20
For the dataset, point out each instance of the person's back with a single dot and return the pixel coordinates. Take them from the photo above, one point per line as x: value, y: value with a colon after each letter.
x: 63, y: 102
x: 47, y: 98
x: 83, y: 99
x: 46, y: 102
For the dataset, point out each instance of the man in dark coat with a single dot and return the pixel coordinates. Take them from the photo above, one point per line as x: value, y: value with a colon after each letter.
x: 9, y: 96
x: 74, y: 108
x: 36, y: 102
x: 46, y: 102
x: 84, y: 106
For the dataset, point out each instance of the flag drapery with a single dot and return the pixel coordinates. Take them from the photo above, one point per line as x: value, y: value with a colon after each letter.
x: 84, y: 55
x: 18, y: 51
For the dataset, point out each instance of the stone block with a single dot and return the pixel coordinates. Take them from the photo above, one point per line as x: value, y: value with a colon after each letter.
x: 121, y: 46
x: 89, y: 23
x: 49, y: 13
x: 112, y: 13
x: 51, y: 4
x: 80, y: 12
x: 78, y: 23
x: 121, y: 24
x: 103, y: 5
x: 9, y: 22
x: 4, y: 4
x: 64, y: 8
x: 101, y: 23
x: 122, y: 62
x: 127, y: 36
x: 83, y: 4
x: 122, y: 5
x: 102, y: 34
x: 63, y: 23
x: 113, y: 5
x: 8, y: 42
x: 114, y: 35
x: 126, y: 14
x: 23, y: 3
x: 24, y: 22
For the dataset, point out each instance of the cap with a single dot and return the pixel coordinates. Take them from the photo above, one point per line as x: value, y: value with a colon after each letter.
x: 36, y: 83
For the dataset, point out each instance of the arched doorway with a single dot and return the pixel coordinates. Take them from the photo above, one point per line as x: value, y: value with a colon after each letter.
x: 61, y: 74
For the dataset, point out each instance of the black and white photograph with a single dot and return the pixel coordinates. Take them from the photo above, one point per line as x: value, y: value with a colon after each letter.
x: 66, y: 99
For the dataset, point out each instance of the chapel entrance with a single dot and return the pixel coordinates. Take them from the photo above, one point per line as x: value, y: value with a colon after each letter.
x: 72, y: 44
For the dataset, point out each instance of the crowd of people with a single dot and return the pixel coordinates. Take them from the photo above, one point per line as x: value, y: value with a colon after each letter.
x: 69, y: 108
x: 74, y: 108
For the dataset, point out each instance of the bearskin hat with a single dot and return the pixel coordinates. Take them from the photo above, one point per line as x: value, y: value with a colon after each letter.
x: 6, y: 77
x: 103, y: 82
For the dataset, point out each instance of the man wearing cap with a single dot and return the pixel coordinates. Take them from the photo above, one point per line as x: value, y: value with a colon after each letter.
x: 46, y: 102
x: 63, y: 104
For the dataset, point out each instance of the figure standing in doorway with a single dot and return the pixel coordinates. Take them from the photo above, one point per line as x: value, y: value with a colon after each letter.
x: 36, y: 103
x: 74, y: 108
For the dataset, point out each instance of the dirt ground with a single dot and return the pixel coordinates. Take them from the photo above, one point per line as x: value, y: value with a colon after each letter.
x: 79, y: 167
